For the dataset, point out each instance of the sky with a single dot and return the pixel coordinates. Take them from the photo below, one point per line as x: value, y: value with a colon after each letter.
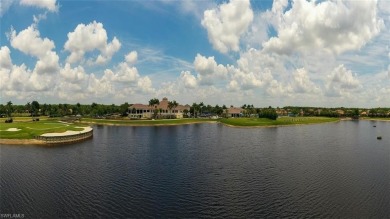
x: 324, y: 53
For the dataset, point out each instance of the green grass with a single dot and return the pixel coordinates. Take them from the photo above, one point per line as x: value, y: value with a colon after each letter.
x: 375, y: 118
x: 144, y: 122
x: 29, y: 129
x: 280, y: 121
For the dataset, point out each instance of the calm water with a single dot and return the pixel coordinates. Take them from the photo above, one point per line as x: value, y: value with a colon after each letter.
x: 204, y: 170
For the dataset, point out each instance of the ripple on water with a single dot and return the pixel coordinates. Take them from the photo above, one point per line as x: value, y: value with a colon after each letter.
x: 204, y: 170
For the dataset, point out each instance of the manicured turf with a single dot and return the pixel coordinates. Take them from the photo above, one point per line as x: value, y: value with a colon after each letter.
x: 279, y: 121
x: 29, y: 129
x: 230, y: 121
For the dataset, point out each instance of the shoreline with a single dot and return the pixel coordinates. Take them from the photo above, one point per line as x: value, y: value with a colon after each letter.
x: 50, y: 139
x: 275, y: 126
x: 41, y: 142
x: 7, y: 141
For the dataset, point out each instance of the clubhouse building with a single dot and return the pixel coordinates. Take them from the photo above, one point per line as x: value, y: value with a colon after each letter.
x: 161, y: 110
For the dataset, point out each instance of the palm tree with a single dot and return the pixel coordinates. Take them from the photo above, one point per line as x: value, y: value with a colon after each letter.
x: 170, y: 106
x: 154, y: 102
x: 201, y: 105
x: 195, y: 108
x: 175, y: 104
x: 9, y: 108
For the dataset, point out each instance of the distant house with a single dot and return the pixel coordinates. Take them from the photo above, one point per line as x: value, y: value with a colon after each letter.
x: 234, y: 112
x: 142, y: 111
x: 281, y: 112
x: 340, y: 112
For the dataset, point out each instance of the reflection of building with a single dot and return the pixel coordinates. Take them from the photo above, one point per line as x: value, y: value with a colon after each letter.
x: 234, y: 112
x: 161, y: 110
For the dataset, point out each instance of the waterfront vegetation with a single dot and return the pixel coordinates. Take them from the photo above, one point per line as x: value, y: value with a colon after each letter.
x: 278, y: 122
x: 27, y: 129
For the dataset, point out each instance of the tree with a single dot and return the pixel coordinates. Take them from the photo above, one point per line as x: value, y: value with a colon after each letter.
x: 154, y: 102
x: 124, y: 108
x: 9, y: 108
x: 170, y: 106
x: 185, y: 111
x: 34, y: 107
x: 268, y: 113
x: 201, y: 104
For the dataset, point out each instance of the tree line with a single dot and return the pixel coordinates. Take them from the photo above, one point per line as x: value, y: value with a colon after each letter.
x: 34, y: 108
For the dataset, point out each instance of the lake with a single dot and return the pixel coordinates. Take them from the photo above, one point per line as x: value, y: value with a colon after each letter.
x: 204, y: 170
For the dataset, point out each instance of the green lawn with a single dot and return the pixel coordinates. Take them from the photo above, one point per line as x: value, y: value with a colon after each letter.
x: 230, y: 121
x: 375, y: 118
x: 29, y: 129
x: 279, y: 121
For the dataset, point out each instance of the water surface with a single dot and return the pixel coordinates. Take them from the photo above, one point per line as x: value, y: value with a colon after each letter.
x: 204, y: 170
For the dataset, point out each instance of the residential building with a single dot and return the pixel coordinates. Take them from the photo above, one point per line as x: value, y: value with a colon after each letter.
x: 142, y: 111
x: 234, y: 112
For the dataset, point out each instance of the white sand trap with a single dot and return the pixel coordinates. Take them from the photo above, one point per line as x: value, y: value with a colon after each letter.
x: 13, y: 130
x: 67, y: 133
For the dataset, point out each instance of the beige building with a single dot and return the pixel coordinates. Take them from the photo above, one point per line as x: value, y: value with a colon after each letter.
x: 234, y: 112
x: 142, y: 111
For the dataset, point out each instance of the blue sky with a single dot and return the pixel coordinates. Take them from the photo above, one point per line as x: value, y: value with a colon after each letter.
x: 281, y: 52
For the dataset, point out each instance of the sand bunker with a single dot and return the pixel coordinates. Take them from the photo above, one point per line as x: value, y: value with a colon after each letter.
x: 13, y: 130
x: 67, y: 133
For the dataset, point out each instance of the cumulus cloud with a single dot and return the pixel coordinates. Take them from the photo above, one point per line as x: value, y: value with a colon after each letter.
x: 341, y: 82
x: 74, y: 75
x: 145, y: 85
x: 335, y: 26
x: 132, y: 57
x: 244, y: 80
x: 5, y: 58
x: 226, y: 23
x: 122, y: 73
x: 188, y: 79
x: 208, y: 70
x: 87, y: 38
x: 45, y: 4
x: 301, y: 82
x: 29, y: 42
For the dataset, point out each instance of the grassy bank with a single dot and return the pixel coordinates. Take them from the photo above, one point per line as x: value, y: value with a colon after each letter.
x: 376, y: 118
x: 29, y: 129
x: 247, y: 122
x: 26, y: 129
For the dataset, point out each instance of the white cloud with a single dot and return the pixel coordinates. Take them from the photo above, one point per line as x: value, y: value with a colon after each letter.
x: 42, y: 78
x: 29, y: 42
x: 335, y: 26
x: 243, y: 80
x: 227, y: 23
x: 99, y: 87
x: 145, y: 85
x: 188, y: 79
x: 122, y: 73
x: 5, y: 58
x: 208, y: 70
x: 301, y: 83
x: 87, y: 38
x: 74, y: 75
x: 45, y: 4
x: 132, y: 57
x: 341, y: 81
x: 4, y: 5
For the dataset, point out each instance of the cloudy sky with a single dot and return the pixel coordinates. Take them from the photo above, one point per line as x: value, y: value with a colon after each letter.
x: 281, y: 52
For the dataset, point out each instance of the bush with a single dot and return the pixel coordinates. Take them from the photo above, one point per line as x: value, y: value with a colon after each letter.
x: 268, y: 113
